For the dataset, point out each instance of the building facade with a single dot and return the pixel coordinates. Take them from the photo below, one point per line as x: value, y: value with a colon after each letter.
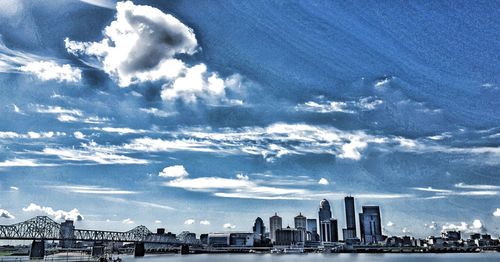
x: 350, y: 217
x: 289, y: 236
x: 370, y: 225
x: 259, y: 229
x: 275, y: 223
x: 334, y: 230
x: 312, y: 230
x: 324, y: 216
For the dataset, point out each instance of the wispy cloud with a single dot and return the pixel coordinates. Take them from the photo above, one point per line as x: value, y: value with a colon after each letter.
x: 94, y: 190
x: 19, y: 162
x: 350, y: 107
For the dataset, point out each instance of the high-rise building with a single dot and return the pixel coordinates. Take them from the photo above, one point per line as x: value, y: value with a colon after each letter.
x: 370, y: 225
x: 289, y: 236
x: 334, y: 230
x: 324, y: 215
x: 312, y: 229
x: 275, y: 223
x: 258, y: 228
x: 350, y: 217
x: 300, y: 221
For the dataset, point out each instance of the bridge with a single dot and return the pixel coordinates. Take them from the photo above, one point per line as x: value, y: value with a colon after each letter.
x: 42, y: 228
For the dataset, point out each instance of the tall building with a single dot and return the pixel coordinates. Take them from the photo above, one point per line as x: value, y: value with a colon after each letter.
x: 289, y: 236
x: 300, y: 222
x: 334, y: 230
x: 258, y: 228
x: 350, y: 217
x: 312, y: 229
x: 370, y: 225
x: 324, y: 215
x: 275, y: 223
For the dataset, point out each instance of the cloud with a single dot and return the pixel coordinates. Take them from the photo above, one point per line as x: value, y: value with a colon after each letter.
x: 157, y: 112
x: 67, y: 115
x: 229, y: 226
x: 349, y: 107
x: 50, y: 70
x: 497, y: 213
x: 157, y: 221
x: 430, y: 189
x: 6, y: 214
x: 477, y: 187
x: 94, y: 190
x: 93, y: 153
x: 128, y: 221
x: 475, y: 227
x: 177, y: 171
x: 323, y: 181
x: 121, y: 130
x: 143, y: 45
x: 78, y: 135
x: 18, y: 162
x: 110, y: 4
x: 30, y: 135
x: 189, y: 222
x: 14, y: 188
x: 73, y: 214
x: 143, y: 204
x: 205, y: 222
x: 390, y: 224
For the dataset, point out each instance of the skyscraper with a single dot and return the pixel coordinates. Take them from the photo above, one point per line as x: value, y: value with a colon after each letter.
x: 275, y: 222
x: 258, y: 228
x: 350, y: 217
x: 324, y: 216
x: 370, y: 225
x: 334, y: 230
x: 300, y: 221
x: 312, y: 229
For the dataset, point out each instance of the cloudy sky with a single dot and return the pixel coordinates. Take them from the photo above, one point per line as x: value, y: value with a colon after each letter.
x: 203, y: 115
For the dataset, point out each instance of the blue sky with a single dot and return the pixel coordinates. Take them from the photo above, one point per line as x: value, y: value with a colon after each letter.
x: 203, y: 115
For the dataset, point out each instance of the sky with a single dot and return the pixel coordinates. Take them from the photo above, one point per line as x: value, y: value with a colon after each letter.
x: 204, y: 115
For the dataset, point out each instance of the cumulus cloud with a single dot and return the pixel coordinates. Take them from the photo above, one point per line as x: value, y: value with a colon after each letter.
x: 6, y: 214
x: 30, y: 135
x: 78, y: 135
x: 323, y: 181
x: 390, y: 224
x: 189, y: 221
x: 50, y: 70
x: 73, y: 214
x: 177, y: 171
x: 205, y: 222
x: 157, y: 221
x: 229, y: 226
x: 497, y: 212
x: 142, y: 44
x: 475, y: 227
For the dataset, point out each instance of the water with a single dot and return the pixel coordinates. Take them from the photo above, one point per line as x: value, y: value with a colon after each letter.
x: 456, y: 257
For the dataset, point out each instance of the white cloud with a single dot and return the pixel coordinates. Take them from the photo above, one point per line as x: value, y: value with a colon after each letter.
x: 18, y: 162
x: 14, y: 188
x: 30, y: 135
x: 475, y: 227
x: 430, y: 189
x: 350, y: 107
x: 497, y: 213
x: 189, y: 222
x: 128, y: 221
x: 50, y: 70
x: 95, y: 190
x: 205, y: 222
x: 477, y: 187
x: 405, y: 230
x: 229, y: 226
x: 323, y: 181
x: 6, y: 214
x: 121, y: 130
x: 177, y: 171
x: 73, y: 214
x: 390, y: 224
x: 91, y: 152
x: 157, y: 112
x: 66, y: 115
x: 142, y: 45
x: 110, y: 4
x: 78, y: 135
x: 157, y: 221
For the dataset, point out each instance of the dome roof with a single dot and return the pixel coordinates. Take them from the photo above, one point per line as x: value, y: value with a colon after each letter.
x: 324, y: 204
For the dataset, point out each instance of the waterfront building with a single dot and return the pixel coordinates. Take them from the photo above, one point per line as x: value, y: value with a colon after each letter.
x: 289, y: 236
x: 370, y: 225
x: 312, y: 230
x: 259, y: 229
x: 324, y: 216
x: 275, y: 223
x: 300, y: 222
x: 451, y: 235
x: 218, y: 239
x: 233, y: 239
x: 334, y: 230
x: 350, y: 217
x: 187, y: 237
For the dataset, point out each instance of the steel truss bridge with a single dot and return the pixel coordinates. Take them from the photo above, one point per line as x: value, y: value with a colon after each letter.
x: 44, y: 228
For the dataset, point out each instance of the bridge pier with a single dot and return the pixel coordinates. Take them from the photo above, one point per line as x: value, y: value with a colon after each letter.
x: 184, y: 250
x: 37, y: 249
x: 139, y: 250
x: 98, y: 249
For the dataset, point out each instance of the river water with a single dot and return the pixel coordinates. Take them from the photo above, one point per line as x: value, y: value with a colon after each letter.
x: 312, y: 257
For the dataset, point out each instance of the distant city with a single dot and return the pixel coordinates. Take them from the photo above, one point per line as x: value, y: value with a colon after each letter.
x: 319, y: 234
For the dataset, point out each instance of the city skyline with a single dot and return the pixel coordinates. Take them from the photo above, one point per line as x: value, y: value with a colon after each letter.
x: 203, y: 117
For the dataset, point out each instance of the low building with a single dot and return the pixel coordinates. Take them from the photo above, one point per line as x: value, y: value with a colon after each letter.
x: 233, y: 239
